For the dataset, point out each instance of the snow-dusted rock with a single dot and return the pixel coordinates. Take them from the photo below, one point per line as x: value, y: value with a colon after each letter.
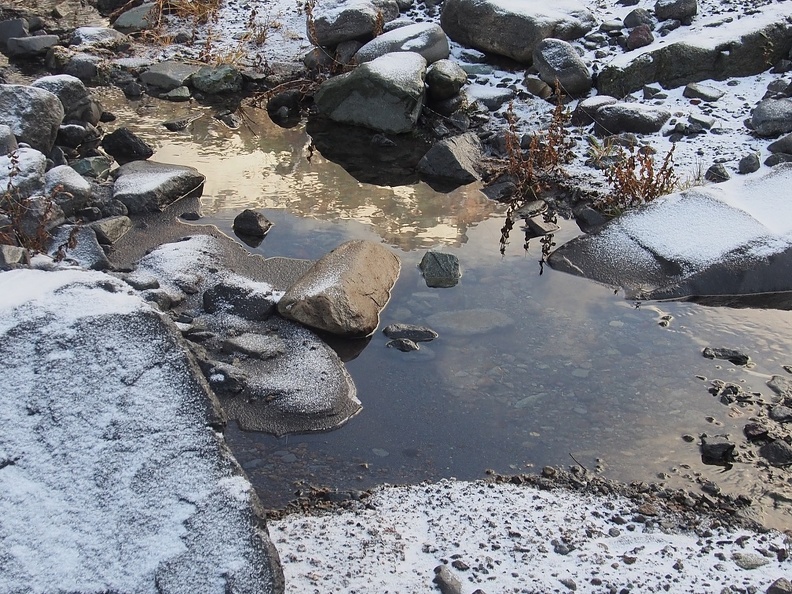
x: 681, y: 10
x: 78, y: 104
x: 452, y: 162
x: 23, y: 172
x: 445, y: 79
x: 512, y: 28
x: 584, y: 113
x: 33, y: 114
x: 67, y: 188
x: 335, y: 21
x: 739, y: 48
x: 772, y: 117
x: 97, y: 36
x: 8, y: 141
x: 345, y: 290
x: 168, y: 75
x: 615, y: 118
x: 385, y: 94
x: 213, y: 80
x: 139, y: 18
x: 111, y: 229
x: 557, y: 60
x: 733, y: 238
x: 426, y: 39
x: 144, y: 186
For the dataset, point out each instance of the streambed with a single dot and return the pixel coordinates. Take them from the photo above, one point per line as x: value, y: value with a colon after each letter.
x: 580, y: 372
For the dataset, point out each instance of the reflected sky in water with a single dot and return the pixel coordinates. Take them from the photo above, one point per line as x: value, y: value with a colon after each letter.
x: 581, y: 372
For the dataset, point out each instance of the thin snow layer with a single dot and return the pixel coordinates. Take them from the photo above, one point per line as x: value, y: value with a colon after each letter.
x: 512, y: 539
x: 402, y: 68
x: 140, y: 182
x: 558, y: 10
x: 110, y: 479
x: 701, y: 226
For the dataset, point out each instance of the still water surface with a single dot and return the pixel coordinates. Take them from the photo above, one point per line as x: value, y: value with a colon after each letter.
x: 581, y: 372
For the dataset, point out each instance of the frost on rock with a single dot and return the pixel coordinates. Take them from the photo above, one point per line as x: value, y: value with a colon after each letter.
x: 111, y: 479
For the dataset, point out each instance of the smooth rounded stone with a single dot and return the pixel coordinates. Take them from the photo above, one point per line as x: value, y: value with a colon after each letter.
x: 345, y: 290
x: 608, y: 26
x: 513, y: 29
x: 335, y: 21
x: 716, y: 450
x: 214, y: 80
x: 704, y: 92
x: 637, y: 17
x: 97, y: 36
x: 584, y: 113
x: 13, y: 28
x: 772, y: 117
x: 410, y: 331
x: 251, y: 223
x: 168, y: 75
x: 125, y: 146
x: 452, y: 162
x: 78, y: 104
x: 781, y: 414
x: 470, y: 322
x: 83, y: 66
x: 8, y: 142
x: 445, y: 78
x: 680, y: 10
x: 717, y: 173
x: 177, y: 95
x: 111, y: 229
x: 30, y: 47
x: 630, y: 117
x: 440, y: 269
x: 558, y: 61
x: 33, y: 114
x: 247, y: 302
x: 318, y: 59
x: 777, y: 158
x: 426, y: 39
x: 28, y: 170
x: 777, y: 452
x: 640, y: 36
x: 144, y: 186
x: 782, y: 145
x: 385, y: 94
x: 67, y: 188
x: 404, y: 345
x: 139, y: 18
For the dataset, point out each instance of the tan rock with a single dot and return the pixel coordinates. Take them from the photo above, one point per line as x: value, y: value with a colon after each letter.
x: 344, y: 291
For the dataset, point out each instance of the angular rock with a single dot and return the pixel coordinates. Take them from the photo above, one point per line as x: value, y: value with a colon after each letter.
x: 557, y: 61
x: 335, y: 21
x: 639, y: 37
x: 638, y: 17
x: 452, y: 162
x: 12, y: 28
x: 680, y: 10
x: 777, y: 453
x: 97, y: 36
x: 513, y: 29
x: 743, y: 47
x: 493, y: 98
x: 630, y: 117
x: 410, y: 331
x: 23, y: 172
x: 248, y: 302
x: 168, y: 75
x: 78, y: 104
x: 748, y: 164
x: 446, y: 581
x: 111, y: 229
x: 67, y: 188
x: 30, y: 47
x: 125, y: 146
x: 780, y: 586
x: 426, y: 39
x: 145, y: 186
x: 259, y: 346
x: 703, y: 92
x: 345, y: 290
x: 385, y: 94
x: 251, y: 223
x: 8, y: 142
x: 83, y: 66
x: 731, y: 355
x: 772, y: 117
x: 78, y: 245
x: 214, y: 80
x: 33, y: 114
x: 444, y: 79
x: 139, y: 18
x: 782, y: 145
x: 405, y: 345
x: 440, y: 269
x: 781, y: 414
x: 717, y: 173
x: 12, y: 257
x: 716, y: 450
x: 584, y: 113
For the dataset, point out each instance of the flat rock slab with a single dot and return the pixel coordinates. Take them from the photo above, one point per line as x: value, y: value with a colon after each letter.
x: 731, y: 239
x: 145, y: 186
x: 111, y: 478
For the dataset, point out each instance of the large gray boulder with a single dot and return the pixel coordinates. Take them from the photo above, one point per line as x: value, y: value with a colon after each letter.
x: 427, y: 39
x: 144, y: 186
x: 772, y: 117
x: 344, y: 291
x: 557, y: 60
x: 78, y: 104
x: 615, y: 118
x: 743, y: 47
x: 511, y: 28
x: 386, y: 94
x: 33, y: 114
x: 334, y: 21
x: 452, y: 162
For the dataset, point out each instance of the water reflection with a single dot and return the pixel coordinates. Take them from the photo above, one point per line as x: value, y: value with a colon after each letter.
x: 581, y: 372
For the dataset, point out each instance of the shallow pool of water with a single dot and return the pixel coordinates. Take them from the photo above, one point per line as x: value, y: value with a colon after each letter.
x: 581, y: 375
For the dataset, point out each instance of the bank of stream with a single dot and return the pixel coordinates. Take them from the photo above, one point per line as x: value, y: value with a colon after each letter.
x: 579, y: 376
